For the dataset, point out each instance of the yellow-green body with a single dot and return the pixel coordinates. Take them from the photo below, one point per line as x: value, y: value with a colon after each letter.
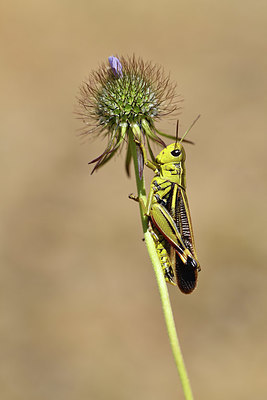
x: 168, y: 210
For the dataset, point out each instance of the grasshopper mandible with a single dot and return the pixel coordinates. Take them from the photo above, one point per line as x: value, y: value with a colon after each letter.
x: 169, y: 217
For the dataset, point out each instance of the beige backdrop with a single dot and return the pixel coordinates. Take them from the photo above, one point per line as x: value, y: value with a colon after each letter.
x: 80, y: 312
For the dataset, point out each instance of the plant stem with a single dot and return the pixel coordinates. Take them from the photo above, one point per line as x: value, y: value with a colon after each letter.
x: 164, y: 295
x: 169, y: 320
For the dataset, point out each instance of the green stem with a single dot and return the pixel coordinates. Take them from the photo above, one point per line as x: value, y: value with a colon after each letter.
x: 164, y: 295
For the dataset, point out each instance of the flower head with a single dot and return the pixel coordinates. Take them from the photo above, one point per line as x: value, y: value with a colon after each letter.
x: 128, y: 95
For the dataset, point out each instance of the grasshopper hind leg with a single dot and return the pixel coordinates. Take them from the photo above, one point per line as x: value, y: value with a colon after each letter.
x: 163, y: 257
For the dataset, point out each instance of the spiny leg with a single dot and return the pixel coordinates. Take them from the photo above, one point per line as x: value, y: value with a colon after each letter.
x: 161, y: 251
x: 163, y: 256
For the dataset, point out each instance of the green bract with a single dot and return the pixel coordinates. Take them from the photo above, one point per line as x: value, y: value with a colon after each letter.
x: 114, y: 102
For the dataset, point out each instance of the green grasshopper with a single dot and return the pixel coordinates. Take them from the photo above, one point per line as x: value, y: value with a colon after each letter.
x: 169, y: 216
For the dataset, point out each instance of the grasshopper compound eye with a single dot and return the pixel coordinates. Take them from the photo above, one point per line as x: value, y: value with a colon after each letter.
x: 176, y: 152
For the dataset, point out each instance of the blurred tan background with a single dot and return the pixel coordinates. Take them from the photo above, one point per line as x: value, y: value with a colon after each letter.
x: 80, y: 313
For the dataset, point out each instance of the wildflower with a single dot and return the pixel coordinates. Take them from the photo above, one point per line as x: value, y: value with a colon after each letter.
x: 126, y: 96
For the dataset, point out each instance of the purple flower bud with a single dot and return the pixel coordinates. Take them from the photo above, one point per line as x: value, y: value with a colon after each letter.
x: 115, y: 65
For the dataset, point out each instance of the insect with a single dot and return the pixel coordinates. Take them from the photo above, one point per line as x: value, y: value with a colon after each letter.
x: 169, y: 217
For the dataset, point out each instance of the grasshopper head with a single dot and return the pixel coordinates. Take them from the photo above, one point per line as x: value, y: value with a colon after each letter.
x: 174, y: 153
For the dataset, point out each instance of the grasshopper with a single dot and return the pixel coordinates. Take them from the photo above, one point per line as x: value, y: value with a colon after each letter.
x: 169, y: 217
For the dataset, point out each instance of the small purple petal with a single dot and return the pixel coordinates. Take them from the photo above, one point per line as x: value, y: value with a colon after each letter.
x: 115, y: 65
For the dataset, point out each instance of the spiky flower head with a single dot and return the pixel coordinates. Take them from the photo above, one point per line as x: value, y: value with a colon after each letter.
x: 126, y: 95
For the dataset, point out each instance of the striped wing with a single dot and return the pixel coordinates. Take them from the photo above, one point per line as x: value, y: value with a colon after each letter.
x: 186, y: 273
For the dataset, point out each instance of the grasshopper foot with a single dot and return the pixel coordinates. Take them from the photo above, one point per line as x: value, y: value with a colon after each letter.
x: 133, y: 197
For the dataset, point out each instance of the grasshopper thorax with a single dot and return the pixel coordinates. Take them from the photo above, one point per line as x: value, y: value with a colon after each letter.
x: 171, y: 164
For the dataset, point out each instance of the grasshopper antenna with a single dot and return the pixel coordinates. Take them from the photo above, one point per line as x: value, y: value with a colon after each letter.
x: 190, y: 127
x: 176, y: 135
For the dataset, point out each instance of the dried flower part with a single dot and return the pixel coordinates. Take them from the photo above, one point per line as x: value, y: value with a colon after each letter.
x: 128, y: 94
